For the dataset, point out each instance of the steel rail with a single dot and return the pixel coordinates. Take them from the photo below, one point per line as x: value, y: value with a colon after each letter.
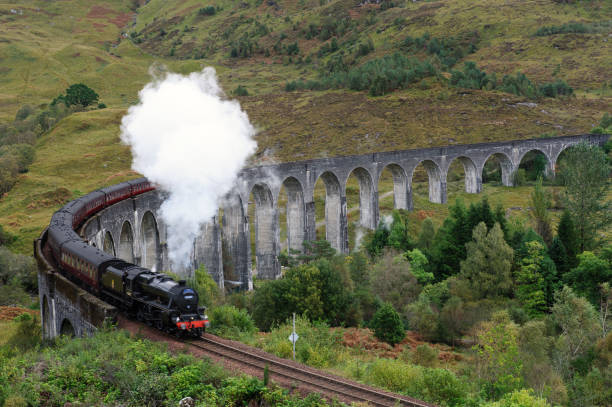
x: 325, y: 382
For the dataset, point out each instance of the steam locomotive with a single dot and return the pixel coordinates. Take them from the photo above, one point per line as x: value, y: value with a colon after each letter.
x: 151, y: 297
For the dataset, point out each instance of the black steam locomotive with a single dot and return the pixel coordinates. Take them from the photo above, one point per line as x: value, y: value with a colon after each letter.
x: 151, y: 297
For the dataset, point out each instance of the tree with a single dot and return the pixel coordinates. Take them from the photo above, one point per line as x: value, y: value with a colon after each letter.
x: 498, y: 362
x: 519, y: 398
x: 530, y: 290
x: 558, y: 254
x: 591, y: 272
x: 585, y: 172
x: 534, y: 348
x: 566, y: 231
x: 388, y: 325
x: 480, y: 212
x: 605, y: 308
x: 422, y: 317
x: 418, y: 261
x: 540, y: 202
x: 80, y: 94
x: 448, y: 248
x: 398, y: 234
x: 393, y: 281
x: 487, y: 267
x: 316, y: 249
x: 376, y: 242
x: 427, y: 235
x: 577, y: 321
x: 205, y: 286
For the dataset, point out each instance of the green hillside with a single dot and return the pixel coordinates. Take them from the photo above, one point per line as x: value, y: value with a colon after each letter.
x: 329, y: 46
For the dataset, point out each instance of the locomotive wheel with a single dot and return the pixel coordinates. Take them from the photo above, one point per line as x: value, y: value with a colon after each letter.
x: 140, y: 315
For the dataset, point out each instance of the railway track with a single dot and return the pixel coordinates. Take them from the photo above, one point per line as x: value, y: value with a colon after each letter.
x: 302, y: 376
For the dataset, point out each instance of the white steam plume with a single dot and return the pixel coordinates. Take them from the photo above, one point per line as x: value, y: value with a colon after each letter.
x: 192, y: 143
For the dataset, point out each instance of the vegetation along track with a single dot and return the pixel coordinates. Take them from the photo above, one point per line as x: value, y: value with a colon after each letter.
x: 288, y: 371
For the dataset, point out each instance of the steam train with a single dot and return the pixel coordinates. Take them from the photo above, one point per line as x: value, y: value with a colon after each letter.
x: 148, y: 296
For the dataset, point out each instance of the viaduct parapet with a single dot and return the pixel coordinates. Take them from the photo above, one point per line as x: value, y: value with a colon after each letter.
x: 133, y: 230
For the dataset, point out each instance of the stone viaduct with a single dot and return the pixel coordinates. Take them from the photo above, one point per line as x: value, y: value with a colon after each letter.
x: 133, y: 230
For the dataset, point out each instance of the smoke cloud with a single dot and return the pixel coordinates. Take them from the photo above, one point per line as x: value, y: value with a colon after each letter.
x: 191, y: 142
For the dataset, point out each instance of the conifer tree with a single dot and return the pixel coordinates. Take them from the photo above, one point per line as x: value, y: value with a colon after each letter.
x: 567, y: 235
x: 558, y: 254
x: 487, y: 267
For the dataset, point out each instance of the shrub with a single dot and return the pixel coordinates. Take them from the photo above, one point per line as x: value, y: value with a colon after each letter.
x: 28, y: 334
x: 519, y: 85
x: 243, y: 48
x: 205, y: 286
x: 22, y: 153
x: 230, y: 321
x: 554, y: 89
x: 293, y: 49
x: 388, y: 325
x: 561, y: 29
x: 207, y: 11
x: 395, y: 375
x: 187, y: 382
x: 519, y: 398
x: 425, y: 355
x: 317, y: 345
x: 241, y: 91
x: 472, y: 78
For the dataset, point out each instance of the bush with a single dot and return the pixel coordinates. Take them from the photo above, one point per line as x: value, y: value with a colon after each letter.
x: 231, y: 322
x: 554, y: 89
x: 207, y: 11
x: 387, y: 325
x: 243, y: 48
x: 241, y: 91
x: 425, y: 355
x: 205, y: 286
x: 562, y: 29
x: 519, y: 85
x: 438, y: 386
x: 317, y: 345
x: 28, y: 334
x: 472, y: 78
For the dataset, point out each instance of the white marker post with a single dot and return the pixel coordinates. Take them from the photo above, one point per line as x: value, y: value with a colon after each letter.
x: 293, y: 337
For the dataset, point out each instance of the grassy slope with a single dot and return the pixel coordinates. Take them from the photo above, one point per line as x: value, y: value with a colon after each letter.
x: 46, y: 46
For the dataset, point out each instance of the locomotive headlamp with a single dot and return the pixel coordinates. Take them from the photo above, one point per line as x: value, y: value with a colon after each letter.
x: 176, y: 319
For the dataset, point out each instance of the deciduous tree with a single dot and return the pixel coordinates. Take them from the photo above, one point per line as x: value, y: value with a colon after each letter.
x: 540, y: 202
x: 577, y: 321
x: 499, y: 364
x: 585, y: 172
x: 591, y: 272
